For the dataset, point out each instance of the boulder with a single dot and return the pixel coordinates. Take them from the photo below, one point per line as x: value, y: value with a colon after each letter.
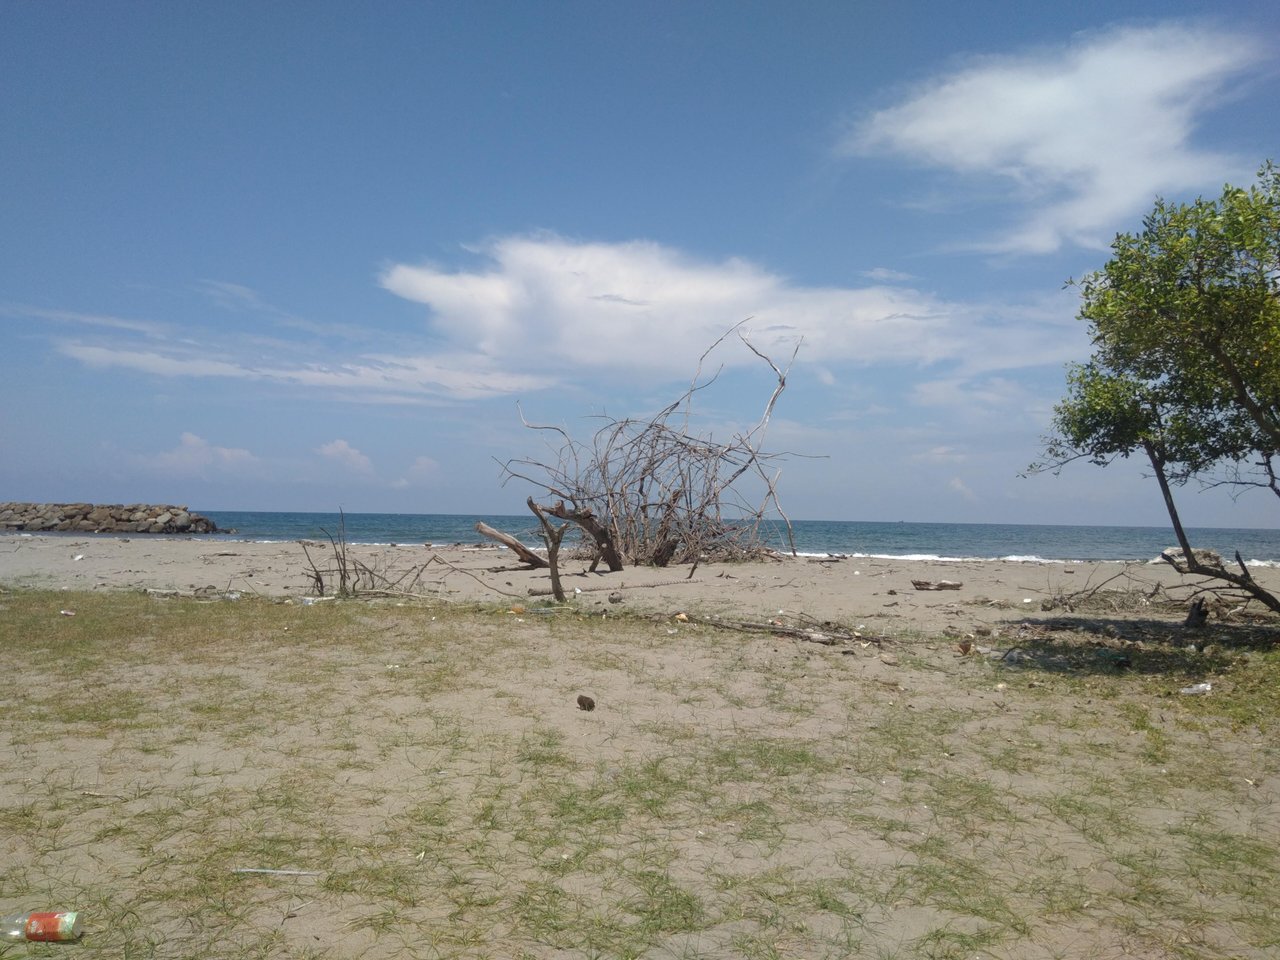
x: 102, y: 518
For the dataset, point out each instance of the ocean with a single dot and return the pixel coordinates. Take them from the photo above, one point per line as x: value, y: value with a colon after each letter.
x: 923, y: 541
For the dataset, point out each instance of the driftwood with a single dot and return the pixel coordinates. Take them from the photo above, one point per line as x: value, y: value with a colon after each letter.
x: 546, y: 592
x: 511, y: 543
x: 936, y: 584
x: 1206, y: 560
x: 827, y: 634
x: 653, y: 491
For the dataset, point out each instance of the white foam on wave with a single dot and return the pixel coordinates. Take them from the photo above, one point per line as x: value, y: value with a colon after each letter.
x: 1230, y: 564
x: 939, y: 558
x: 931, y: 557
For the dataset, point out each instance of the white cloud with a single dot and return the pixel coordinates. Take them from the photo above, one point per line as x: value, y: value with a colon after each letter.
x: 195, y: 455
x: 1087, y: 134
x: 641, y: 307
x: 342, y: 452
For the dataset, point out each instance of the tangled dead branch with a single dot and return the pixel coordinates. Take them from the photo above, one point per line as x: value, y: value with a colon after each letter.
x: 1128, y: 589
x: 652, y: 491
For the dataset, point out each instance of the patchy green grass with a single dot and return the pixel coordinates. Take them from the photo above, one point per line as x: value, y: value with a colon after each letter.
x: 428, y: 772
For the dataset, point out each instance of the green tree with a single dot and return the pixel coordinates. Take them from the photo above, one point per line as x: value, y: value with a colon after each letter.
x: 1185, y: 321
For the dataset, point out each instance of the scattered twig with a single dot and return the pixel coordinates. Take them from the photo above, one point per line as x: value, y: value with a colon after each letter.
x: 830, y: 635
x: 546, y: 591
x: 483, y: 583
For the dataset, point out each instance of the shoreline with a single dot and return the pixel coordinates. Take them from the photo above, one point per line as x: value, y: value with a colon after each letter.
x: 233, y: 537
x: 877, y: 593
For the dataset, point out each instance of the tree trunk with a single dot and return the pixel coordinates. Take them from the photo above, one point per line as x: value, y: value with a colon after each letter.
x: 597, y: 531
x: 552, y: 535
x: 1243, y: 580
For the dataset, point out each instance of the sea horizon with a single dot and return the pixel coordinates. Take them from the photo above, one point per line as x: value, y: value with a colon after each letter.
x: 915, y: 540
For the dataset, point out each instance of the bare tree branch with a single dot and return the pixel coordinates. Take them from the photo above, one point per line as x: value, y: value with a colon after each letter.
x: 653, y: 491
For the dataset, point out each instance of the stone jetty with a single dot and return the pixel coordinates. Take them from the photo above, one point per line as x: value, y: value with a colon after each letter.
x: 102, y: 518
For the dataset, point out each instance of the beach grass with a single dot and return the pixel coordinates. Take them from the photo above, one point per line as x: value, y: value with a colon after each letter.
x: 425, y: 779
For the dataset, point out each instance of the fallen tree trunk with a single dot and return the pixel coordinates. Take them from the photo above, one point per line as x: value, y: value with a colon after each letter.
x: 512, y: 544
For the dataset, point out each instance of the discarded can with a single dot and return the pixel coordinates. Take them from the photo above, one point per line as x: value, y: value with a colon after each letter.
x: 57, y: 926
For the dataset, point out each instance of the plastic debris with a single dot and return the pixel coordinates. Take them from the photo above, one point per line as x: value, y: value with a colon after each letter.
x: 1197, y: 688
x: 55, y: 926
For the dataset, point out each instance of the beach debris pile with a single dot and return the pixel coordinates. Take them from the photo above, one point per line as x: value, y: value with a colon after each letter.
x: 102, y: 518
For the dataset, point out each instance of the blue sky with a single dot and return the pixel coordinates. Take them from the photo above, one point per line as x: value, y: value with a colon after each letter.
x: 302, y: 256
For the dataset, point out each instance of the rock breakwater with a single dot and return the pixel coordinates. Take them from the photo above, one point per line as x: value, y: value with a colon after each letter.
x: 102, y: 518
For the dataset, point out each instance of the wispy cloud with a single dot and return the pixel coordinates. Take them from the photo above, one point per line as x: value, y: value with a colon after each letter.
x: 978, y: 397
x: 234, y: 296
x: 391, y: 378
x: 422, y: 471
x: 237, y: 298
x: 105, y: 321
x: 153, y: 361
x: 1086, y: 134
x: 957, y: 485
x: 885, y: 275
x: 941, y: 454
x: 541, y: 311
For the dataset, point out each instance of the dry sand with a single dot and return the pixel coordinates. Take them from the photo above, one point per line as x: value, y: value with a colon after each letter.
x: 876, y: 592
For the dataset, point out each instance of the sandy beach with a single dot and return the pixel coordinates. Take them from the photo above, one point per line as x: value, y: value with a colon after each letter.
x: 992, y: 769
x: 877, y: 592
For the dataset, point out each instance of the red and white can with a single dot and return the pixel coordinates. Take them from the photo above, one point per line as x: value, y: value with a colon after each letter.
x: 54, y: 927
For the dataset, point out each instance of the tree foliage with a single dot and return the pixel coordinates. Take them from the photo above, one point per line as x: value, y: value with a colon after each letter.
x: 1185, y: 323
x: 1185, y: 320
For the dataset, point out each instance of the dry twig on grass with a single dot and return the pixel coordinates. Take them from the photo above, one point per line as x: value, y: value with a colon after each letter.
x: 546, y: 591
x: 807, y: 629
x: 1127, y: 590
